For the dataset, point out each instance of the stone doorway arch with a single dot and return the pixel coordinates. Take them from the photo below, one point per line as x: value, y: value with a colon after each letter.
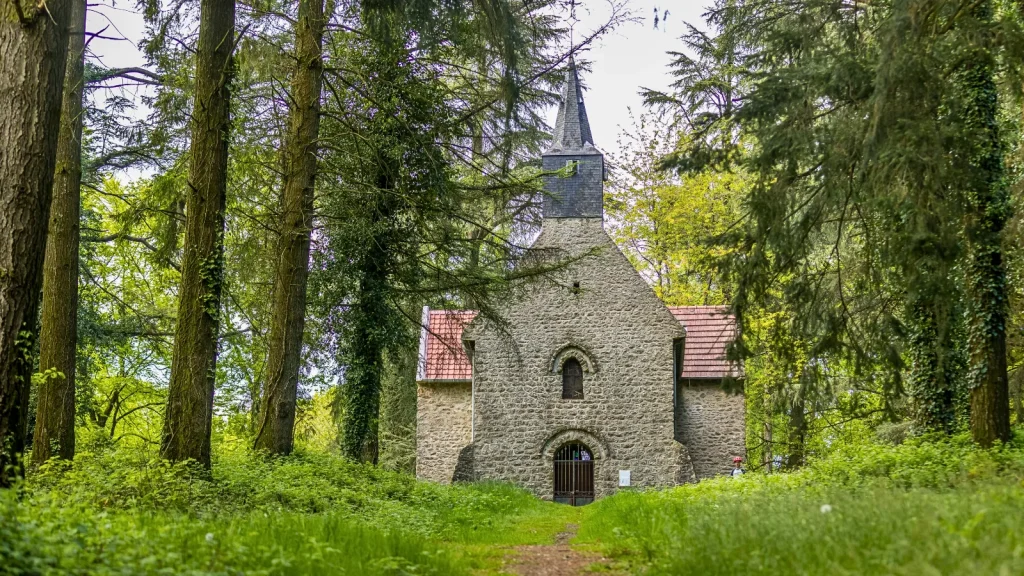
x: 558, y: 452
x: 574, y: 474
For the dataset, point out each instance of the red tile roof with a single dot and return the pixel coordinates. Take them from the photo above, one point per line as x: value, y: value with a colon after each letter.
x: 441, y: 346
x: 709, y: 331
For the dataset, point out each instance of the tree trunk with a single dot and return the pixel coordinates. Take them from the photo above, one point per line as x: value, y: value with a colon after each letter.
x: 769, y: 448
x: 932, y: 375
x: 275, y: 433
x: 188, y: 418
x: 58, y: 337
x: 987, y: 210
x: 370, y: 318
x: 798, y: 427
x: 33, y: 53
x: 367, y: 345
x: 397, y: 430
x: 1017, y: 398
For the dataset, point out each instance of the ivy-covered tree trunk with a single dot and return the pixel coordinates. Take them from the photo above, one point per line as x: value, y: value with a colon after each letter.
x: 368, y: 341
x: 188, y: 418
x: 277, y: 420
x: 33, y: 53
x: 58, y: 337
x: 933, y: 374
x: 986, y: 211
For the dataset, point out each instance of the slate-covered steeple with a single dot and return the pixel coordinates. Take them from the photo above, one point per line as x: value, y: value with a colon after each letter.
x: 572, y: 128
x: 577, y: 191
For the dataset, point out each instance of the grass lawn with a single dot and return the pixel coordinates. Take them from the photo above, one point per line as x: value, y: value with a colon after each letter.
x: 920, y: 508
x: 976, y: 530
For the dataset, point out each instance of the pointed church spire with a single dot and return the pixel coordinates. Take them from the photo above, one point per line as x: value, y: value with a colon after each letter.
x: 572, y: 129
x: 574, y: 183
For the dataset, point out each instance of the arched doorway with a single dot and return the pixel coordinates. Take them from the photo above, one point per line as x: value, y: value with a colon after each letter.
x: 574, y: 474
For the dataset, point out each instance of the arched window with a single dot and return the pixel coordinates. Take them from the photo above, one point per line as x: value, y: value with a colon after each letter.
x: 572, y: 380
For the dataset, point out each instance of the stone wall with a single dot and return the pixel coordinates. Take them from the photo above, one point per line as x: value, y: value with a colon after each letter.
x: 443, y: 428
x: 712, y: 425
x: 614, y: 321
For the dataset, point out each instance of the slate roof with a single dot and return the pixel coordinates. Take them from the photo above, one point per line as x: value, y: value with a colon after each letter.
x: 709, y: 330
x: 572, y: 128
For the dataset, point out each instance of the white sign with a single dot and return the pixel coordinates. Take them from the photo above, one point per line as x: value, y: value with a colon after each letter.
x: 623, y: 477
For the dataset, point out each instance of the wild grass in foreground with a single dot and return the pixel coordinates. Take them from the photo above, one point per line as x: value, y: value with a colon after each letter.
x: 124, y: 511
x: 922, y: 508
x: 53, y: 539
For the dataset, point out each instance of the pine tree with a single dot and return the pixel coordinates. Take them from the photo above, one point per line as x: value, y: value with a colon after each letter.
x: 277, y: 419
x: 55, y: 412
x: 189, y: 413
x: 871, y: 135
x: 33, y: 55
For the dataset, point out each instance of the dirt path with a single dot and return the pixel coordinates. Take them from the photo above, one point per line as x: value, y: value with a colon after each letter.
x: 556, y: 559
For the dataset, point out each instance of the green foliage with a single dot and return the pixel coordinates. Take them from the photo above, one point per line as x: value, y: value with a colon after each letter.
x: 416, y: 209
x: 921, y: 462
x: 304, y: 483
x: 864, y: 532
x: 53, y: 537
x: 669, y: 224
x: 923, y: 507
x: 117, y: 510
x: 927, y: 505
x: 872, y: 138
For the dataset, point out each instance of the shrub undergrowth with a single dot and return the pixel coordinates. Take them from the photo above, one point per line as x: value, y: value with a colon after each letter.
x: 928, y: 506
x: 127, y: 511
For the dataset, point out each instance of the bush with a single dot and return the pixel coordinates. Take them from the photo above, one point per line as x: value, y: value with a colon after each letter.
x: 56, y: 538
x: 128, y: 511
x: 927, y: 506
x: 923, y: 462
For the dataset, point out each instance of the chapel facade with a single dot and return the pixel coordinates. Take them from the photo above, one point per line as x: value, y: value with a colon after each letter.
x: 592, y: 383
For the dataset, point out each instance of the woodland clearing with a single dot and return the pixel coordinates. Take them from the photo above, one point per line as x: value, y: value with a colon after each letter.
x: 921, y: 507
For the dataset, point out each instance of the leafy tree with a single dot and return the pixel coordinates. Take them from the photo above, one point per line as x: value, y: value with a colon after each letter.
x: 669, y: 222
x: 422, y: 209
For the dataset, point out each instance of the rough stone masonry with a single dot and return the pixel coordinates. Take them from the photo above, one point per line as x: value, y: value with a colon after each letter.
x: 490, y: 402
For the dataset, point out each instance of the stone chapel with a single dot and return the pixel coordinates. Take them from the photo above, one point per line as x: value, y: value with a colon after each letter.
x: 594, y: 384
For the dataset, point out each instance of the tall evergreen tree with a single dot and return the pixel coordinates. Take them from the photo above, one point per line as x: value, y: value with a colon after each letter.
x: 986, y: 211
x: 189, y: 413
x: 54, y: 433
x: 421, y: 207
x: 403, y: 171
x: 33, y: 54
x: 277, y: 418
x: 868, y: 165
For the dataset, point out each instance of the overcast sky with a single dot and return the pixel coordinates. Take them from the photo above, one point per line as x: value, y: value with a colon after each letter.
x: 632, y: 57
